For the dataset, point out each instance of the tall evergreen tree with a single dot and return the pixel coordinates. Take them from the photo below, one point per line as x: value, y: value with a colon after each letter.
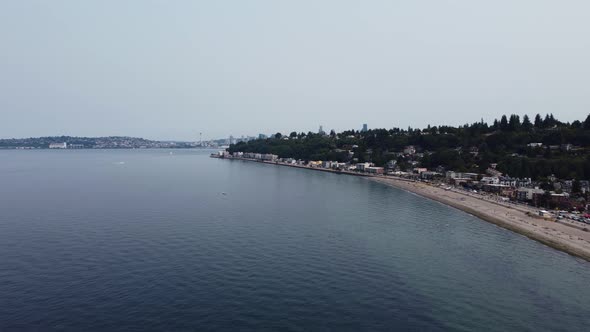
x: 504, y: 123
x: 514, y: 123
x: 576, y: 187
x: 526, y: 123
x: 576, y: 124
x: 546, y: 121
x: 587, y: 123
x: 538, y: 121
x: 552, y: 121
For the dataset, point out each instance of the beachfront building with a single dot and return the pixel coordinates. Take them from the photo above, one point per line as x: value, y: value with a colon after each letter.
x: 461, y: 175
x: 420, y: 170
x: 554, y: 200
x: 256, y: 156
x: 515, y: 182
x: 63, y: 145
x: 329, y: 164
x: 269, y: 157
x: 493, y: 172
x: 429, y: 175
x: 391, y: 164
x: 313, y: 163
x: 489, y: 180
x: 494, y: 188
x: 362, y: 166
x: 375, y: 170
x: 526, y: 194
x: 342, y: 166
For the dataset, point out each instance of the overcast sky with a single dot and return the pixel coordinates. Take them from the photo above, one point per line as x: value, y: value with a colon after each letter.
x: 172, y: 69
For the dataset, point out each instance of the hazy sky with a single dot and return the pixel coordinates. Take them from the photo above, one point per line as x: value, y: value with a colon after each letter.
x: 172, y: 69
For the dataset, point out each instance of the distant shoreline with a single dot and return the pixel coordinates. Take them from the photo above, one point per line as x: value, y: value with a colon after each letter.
x: 521, y: 220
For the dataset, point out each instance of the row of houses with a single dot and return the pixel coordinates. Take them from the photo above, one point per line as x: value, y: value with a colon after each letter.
x: 352, y: 167
x: 523, y: 190
x: 247, y: 155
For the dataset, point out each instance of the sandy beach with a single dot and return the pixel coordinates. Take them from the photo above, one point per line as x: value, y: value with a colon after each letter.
x: 520, y: 219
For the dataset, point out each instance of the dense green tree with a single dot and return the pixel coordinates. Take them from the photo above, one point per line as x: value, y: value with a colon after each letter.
x: 514, y: 123
x: 526, y: 123
x: 470, y: 147
x: 538, y: 121
x: 496, y: 125
x: 504, y: 123
x: 576, y: 124
x: 576, y: 187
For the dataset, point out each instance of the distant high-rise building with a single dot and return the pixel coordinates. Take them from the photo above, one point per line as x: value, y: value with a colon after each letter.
x: 364, y: 127
x: 231, y: 139
x: 261, y: 136
x: 321, y: 131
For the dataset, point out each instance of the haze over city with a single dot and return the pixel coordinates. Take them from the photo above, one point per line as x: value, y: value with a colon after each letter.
x: 267, y: 165
x: 169, y: 70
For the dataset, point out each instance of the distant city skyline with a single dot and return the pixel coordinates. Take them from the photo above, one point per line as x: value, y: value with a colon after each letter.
x: 172, y: 70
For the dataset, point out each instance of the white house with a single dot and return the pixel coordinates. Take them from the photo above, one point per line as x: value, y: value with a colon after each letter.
x: 63, y: 145
x: 410, y: 149
x: 490, y: 180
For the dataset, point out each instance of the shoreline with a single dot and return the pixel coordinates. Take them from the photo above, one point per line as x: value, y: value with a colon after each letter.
x: 562, y: 237
x: 519, y: 219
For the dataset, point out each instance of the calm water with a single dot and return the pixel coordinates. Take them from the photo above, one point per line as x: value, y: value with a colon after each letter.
x: 140, y: 240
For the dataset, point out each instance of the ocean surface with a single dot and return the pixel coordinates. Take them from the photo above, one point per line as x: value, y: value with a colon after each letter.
x: 137, y: 240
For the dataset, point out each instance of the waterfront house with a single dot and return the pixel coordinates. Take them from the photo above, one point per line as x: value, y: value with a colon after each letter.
x: 460, y: 175
x: 63, y: 145
x: 269, y: 157
x: 489, y: 180
x: 391, y: 164
x: 362, y: 166
x: 493, y: 172
x: 429, y: 175
x: 420, y: 170
x: 375, y: 170
x: 526, y: 194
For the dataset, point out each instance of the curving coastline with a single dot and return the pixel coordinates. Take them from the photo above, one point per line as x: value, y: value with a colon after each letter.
x: 519, y: 219
x: 572, y: 240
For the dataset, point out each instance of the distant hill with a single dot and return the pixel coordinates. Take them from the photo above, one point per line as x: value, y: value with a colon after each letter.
x: 111, y: 142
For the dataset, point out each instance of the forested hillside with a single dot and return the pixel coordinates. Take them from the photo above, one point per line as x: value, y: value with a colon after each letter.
x: 562, y: 149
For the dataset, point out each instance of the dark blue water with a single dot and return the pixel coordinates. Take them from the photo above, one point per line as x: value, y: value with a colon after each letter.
x: 145, y: 240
